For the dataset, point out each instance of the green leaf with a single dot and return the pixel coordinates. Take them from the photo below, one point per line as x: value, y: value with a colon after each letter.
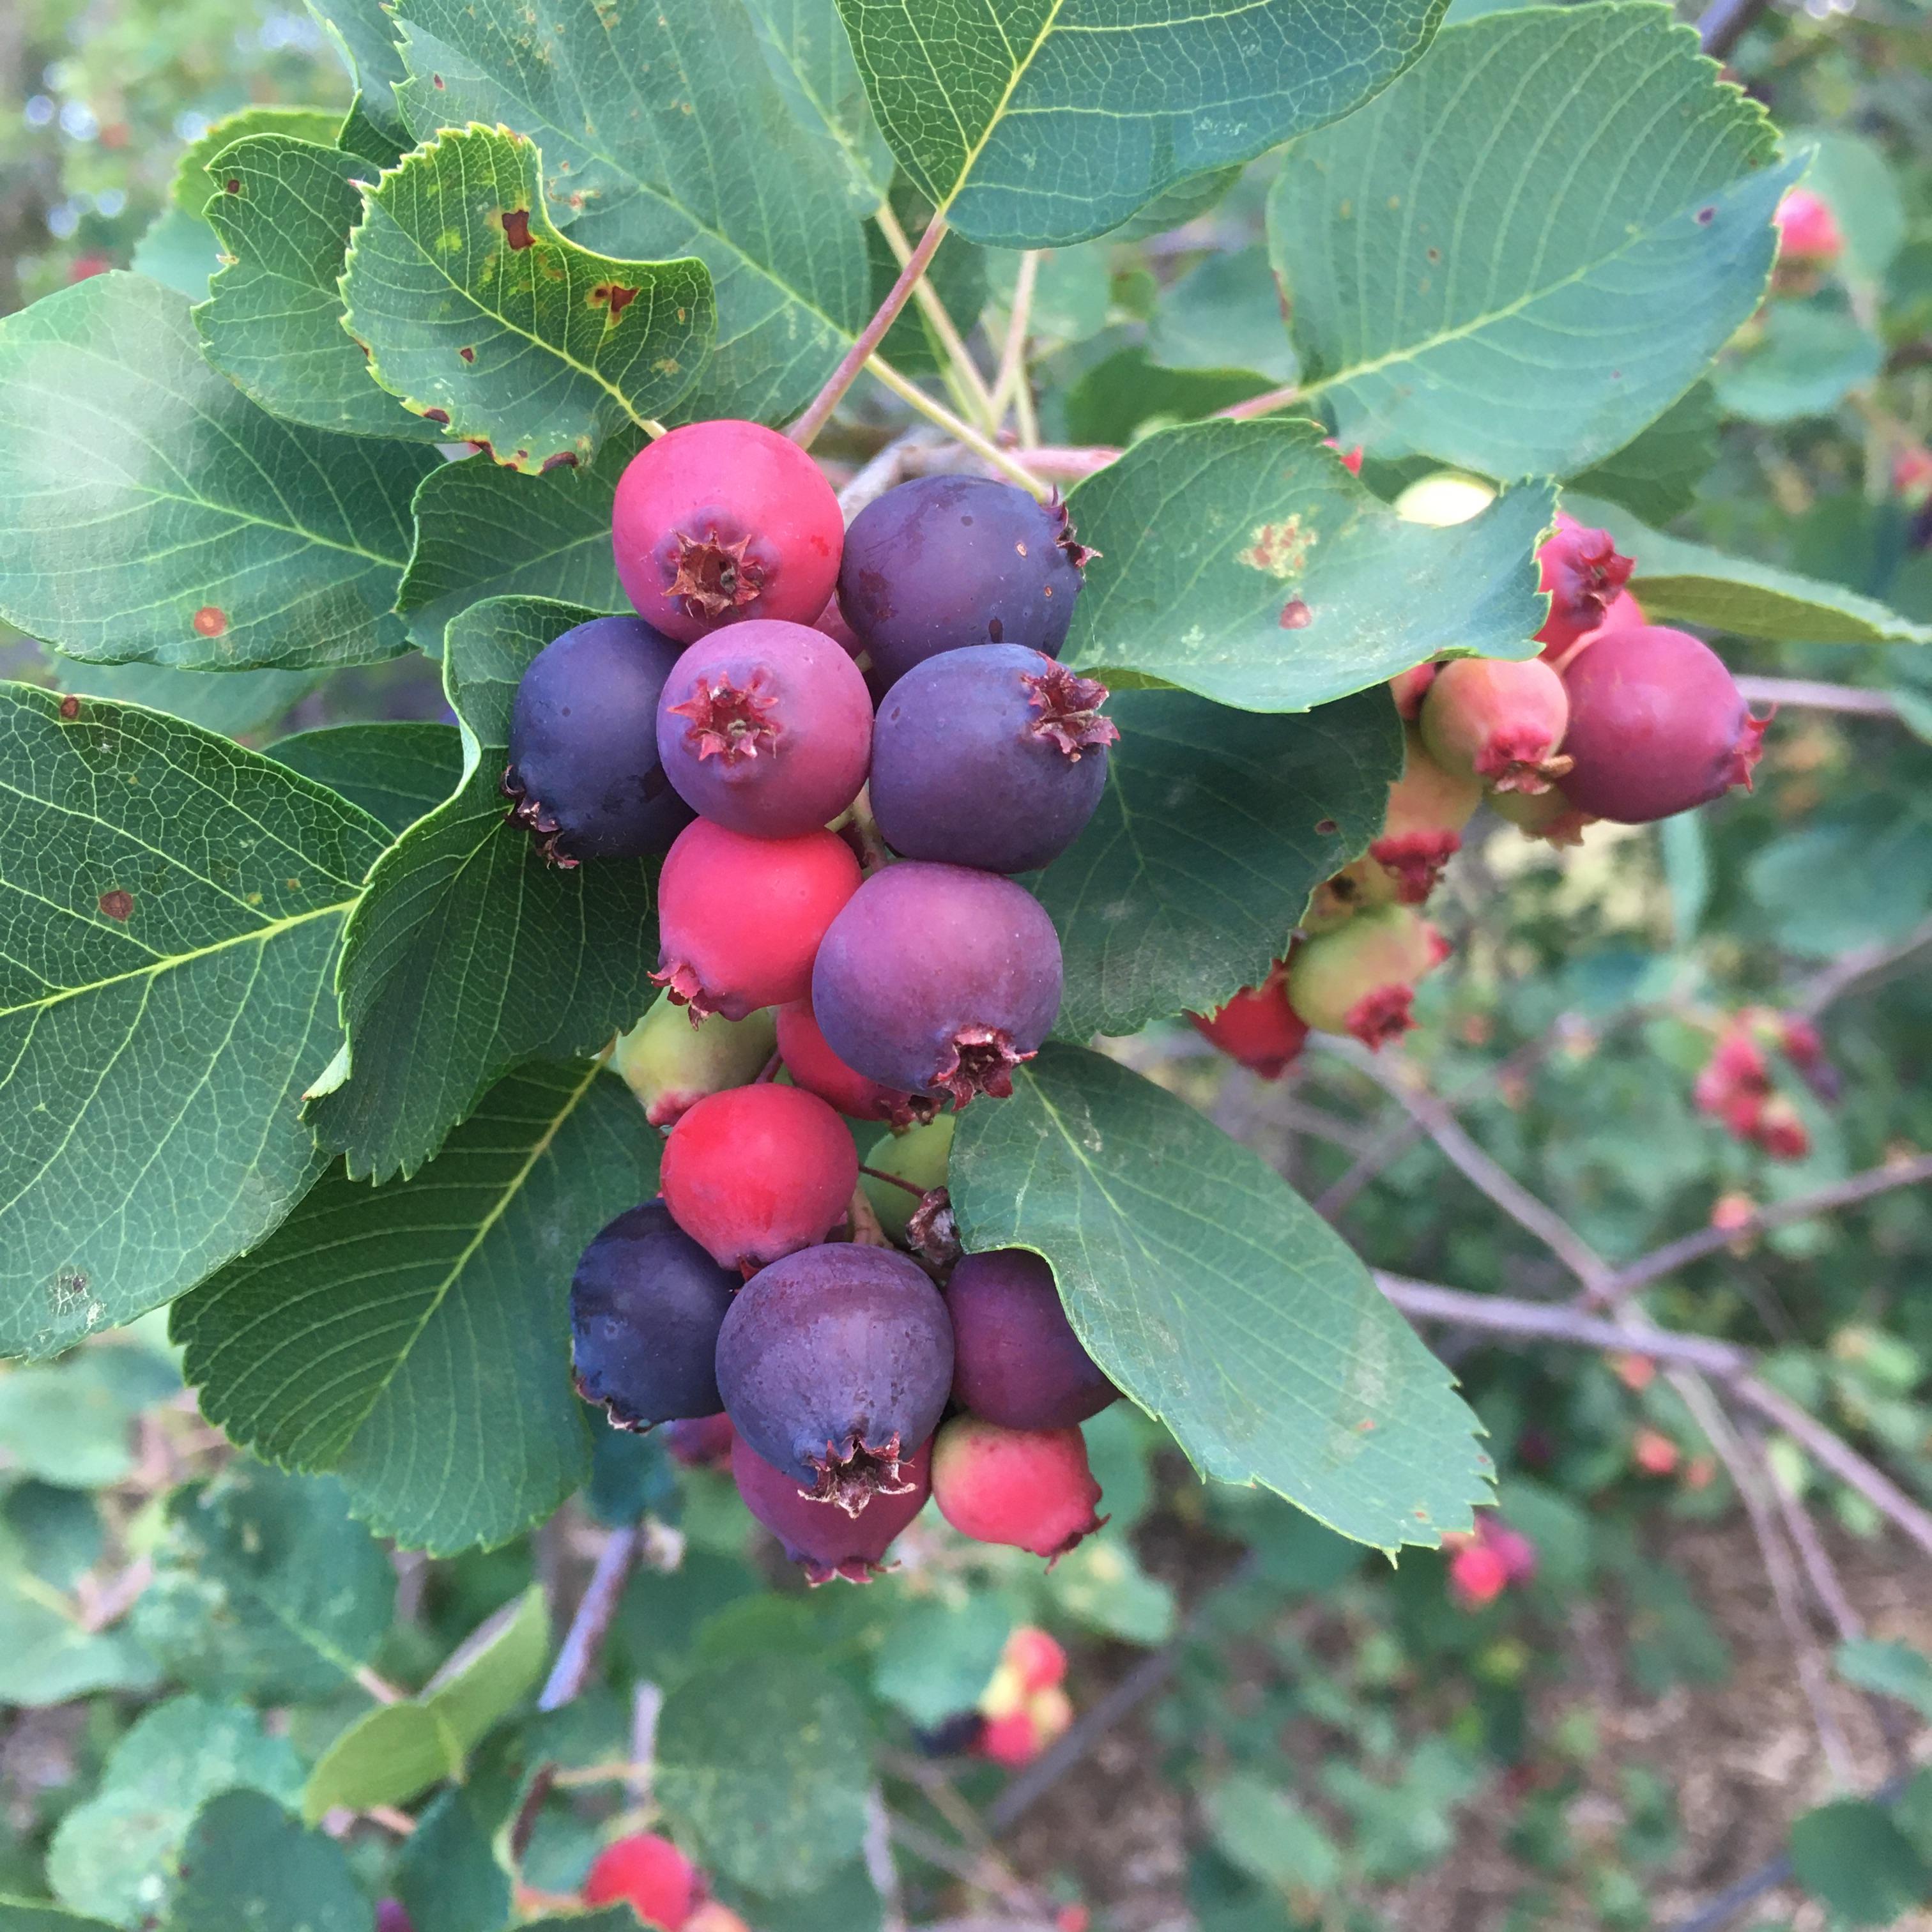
x: 1807, y: 357
x: 1853, y: 1857
x: 272, y: 322
x: 663, y: 134
x: 1854, y: 175
x: 365, y: 36
x: 414, y: 1340
x: 187, y: 192
x: 805, y: 47
x: 236, y: 703
x: 1270, y: 1837
x: 937, y: 1657
x: 1655, y: 476
x: 1218, y: 1300
x: 68, y: 1423
x: 481, y: 316
x: 765, y: 1762
x: 247, y: 1862
x: 265, y: 1589
x: 48, y: 1538
x: 468, y: 954
x: 396, y: 772
x: 180, y: 251
x: 1124, y: 395
x: 1101, y: 1584
x: 1226, y: 313
x: 447, y: 1874
x: 1240, y: 561
x: 1688, y: 584
x: 1200, y: 857
x: 113, y: 1855
x: 156, y: 513
x: 1032, y: 122
x: 391, y: 1756
x: 484, y: 530
x: 173, y: 904
x: 22, y: 1915
x: 1891, y: 1668
x: 1533, y: 244
x: 492, y: 1670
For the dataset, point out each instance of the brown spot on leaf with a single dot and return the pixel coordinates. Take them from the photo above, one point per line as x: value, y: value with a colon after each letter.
x: 210, y: 621
x: 621, y: 298
x: 1326, y: 828
x: 1706, y: 216
x: 563, y: 456
x: 435, y: 80
x: 1296, y: 615
x: 117, y: 904
x: 1279, y: 550
x: 516, y: 227
x: 231, y: 186
x: 437, y: 415
x: 70, y: 708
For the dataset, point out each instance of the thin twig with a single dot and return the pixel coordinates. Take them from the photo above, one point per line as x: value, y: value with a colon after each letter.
x: 891, y: 465
x: 1265, y: 404
x: 1674, y: 1254
x: 1013, y: 355
x: 1855, y: 968
x: 1061, y: 464
x: 975, y: 393
x: 379, y: 1688
x: 584, y: 1641
x: 884, y: 1874
x: 869, y: 337
x: 1806, y: 694
x: 1724, y: 23
x: 956, y: 426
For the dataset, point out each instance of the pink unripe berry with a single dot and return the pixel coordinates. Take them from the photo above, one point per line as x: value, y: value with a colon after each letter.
x: 1807, y: 231
x: 1498, y: 720
x: 1257, y: 1027
x: 1422, y: 830
x: 1658, y: 725
x: 1360, y: 978
x: 815, y: 1066
x: 390, y: 1916
x: 701, y: 1442
x: 1409, y: 687
x: 740, y: 918
x: 1030, y: 1488
x: 758, y: 1172
x: 1037, y: 1657
x: 650, y: 1875
x: 1010, y: 1740
x: 823, y: 1540
x: 1583, y: 573
x: 1477, y: 1575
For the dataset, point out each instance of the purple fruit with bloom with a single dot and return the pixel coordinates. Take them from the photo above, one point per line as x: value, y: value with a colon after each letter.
x: 765, y: 727
x: 835, y: 1363
x: 994, y: 756
x: 584, y: 775
x: 944, y: 562
x: 646, y: 1305
x: 1015, y: 1358
x: 822, y: 1539
x: 935, y: 979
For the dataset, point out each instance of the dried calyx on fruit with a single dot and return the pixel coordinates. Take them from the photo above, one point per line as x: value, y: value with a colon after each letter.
x: 671, y: 1059
x: 584, y: 774
x: 717, y: 522
x: 1360, y: 978
x: 1584, y: 573
x: 1498, y: 720
x: 938, y: 980
x: 646, y: 1305
x: 823, y: 1540
x: 1015, y: 1358
x: 758, y: 1172
x: 1657, y: 726
x: 739, y: 919
x: 993, y: 757
x: 1422, y: 829
x: 1030, y: 1488
x: 944, y: 562
x: 834, y: 1364
x: 765, y: 728
x: 1258, y: 1027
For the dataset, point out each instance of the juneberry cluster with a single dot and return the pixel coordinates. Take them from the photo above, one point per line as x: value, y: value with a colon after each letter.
x: 844, y: 743
x: 1737, y: 1085
x: 1615, y: 719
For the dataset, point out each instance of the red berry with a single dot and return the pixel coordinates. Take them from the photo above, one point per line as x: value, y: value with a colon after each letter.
x: 758, y: 1172
x: 1010, y: 1740
x: 1498, y: 720
x: 720, y: 521
x: 740, y: 918
x: 1360, y: 978
x: 1583, y: 574
x: 823, y: 1540
x: 1037, y: 1657
x: 1477, y: 1575
x: 815, y: 1067
x: 1807, y: 230
x: 1257, y: 1027
x: 648, y: 1873
x: 1028, y: 1487
x: 1657, y: 726
x: 1409, y: 687
x: 1422, y: 829
x: 765, y: 728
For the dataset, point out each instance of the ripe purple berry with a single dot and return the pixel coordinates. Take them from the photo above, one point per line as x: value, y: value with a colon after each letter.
x: 1015, y: 1358
x: 834, y: 1364
x: 944, y: 562
x: 765, y: 727
x: 825, y: 1541
x: 994, y: 757
x: 646, y: 1305
x: 584, y: 773
x: 933, y: 980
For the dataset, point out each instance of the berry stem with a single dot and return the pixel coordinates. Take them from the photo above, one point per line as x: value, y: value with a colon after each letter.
x: 970, y: 389
x: 1265, y: 404
x: 879, y: 1174
x: 1010, y: 385
x: 856, y: 358
x: 958, y: 428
